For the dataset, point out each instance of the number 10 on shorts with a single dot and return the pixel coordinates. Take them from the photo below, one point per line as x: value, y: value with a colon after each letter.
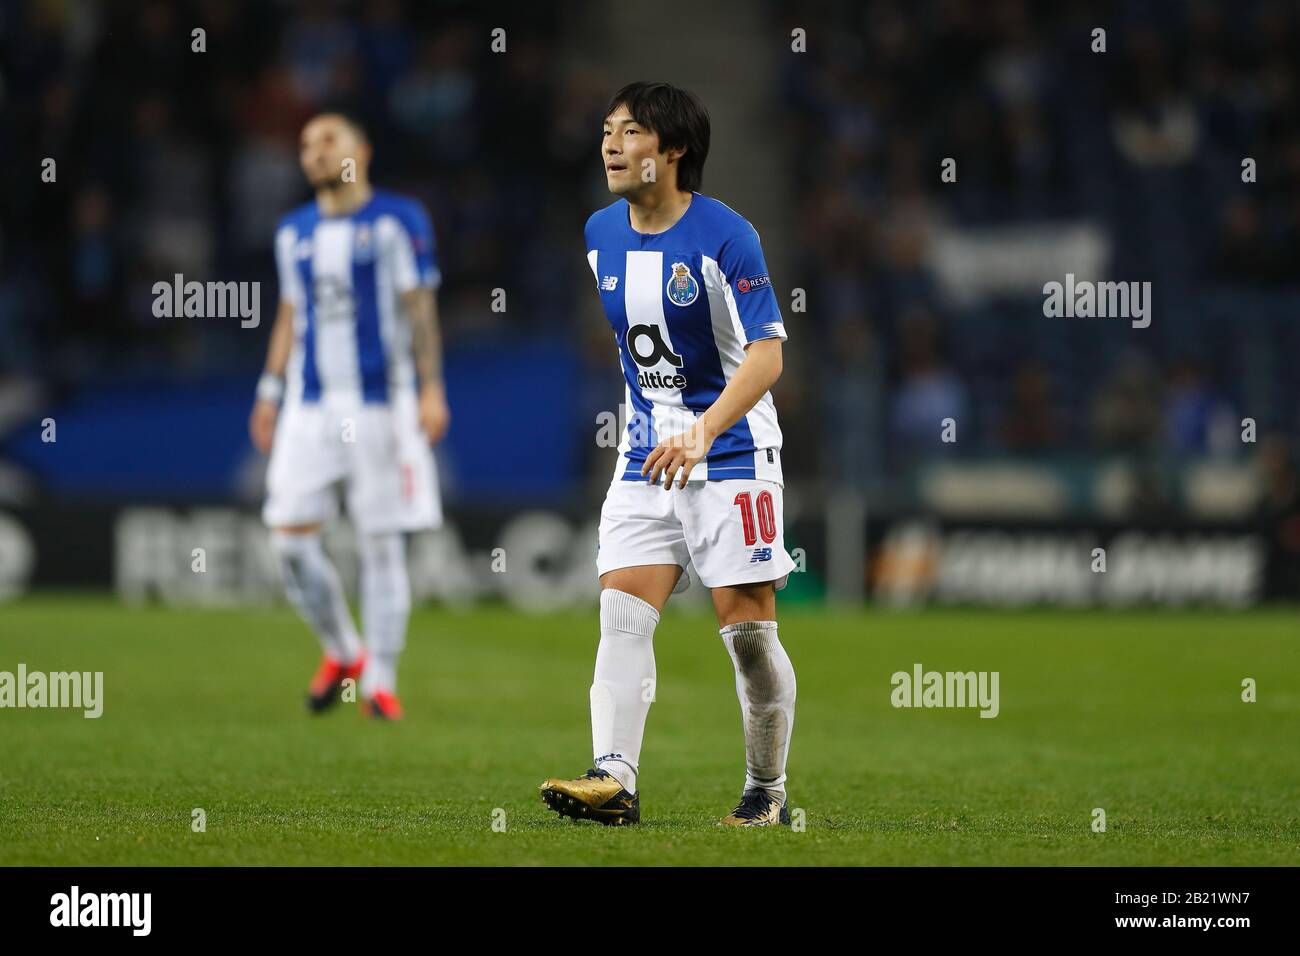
x: 766, y: 517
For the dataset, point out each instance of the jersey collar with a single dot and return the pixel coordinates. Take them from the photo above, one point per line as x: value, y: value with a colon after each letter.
x: 644, y: 237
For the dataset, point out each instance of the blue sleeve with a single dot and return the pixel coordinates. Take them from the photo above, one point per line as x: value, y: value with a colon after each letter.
x: 750, y: 288
x: 419, y: 229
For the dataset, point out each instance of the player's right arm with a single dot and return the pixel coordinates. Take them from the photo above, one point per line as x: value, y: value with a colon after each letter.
x: 270, y: 387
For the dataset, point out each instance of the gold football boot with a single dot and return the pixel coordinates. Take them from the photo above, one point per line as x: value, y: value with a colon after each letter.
x: 596, y: 795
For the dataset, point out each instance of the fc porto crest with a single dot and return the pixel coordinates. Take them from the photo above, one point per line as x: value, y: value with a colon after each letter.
x: 682, y: 287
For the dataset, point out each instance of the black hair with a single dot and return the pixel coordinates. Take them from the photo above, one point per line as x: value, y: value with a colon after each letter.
x: 678, y: 117
x: 348, y: 117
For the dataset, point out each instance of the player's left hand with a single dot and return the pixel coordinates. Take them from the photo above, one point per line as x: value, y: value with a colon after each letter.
x: 677, y: 455
x: 435, y: 416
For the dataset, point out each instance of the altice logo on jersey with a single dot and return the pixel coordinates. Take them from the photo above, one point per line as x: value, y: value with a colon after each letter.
x: 75, y: 908
x: 83, y: 690
x: 208, y: 300
x: 651, y: 354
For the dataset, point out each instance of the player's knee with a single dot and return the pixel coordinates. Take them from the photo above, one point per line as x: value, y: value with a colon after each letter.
x: 290, y: 546
x: 382, y: 552
x: 623, y: 611
x: 383, y: 565
x: 745, y: 602
x: 652, y: 584
x: 295, y: 551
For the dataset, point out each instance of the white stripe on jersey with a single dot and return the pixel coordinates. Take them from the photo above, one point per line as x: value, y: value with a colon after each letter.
x: 336, y: 324
x: 643, y: 300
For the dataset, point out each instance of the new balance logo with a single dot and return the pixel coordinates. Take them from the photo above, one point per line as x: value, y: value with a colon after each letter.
x: 608, y: 283
x: 761, y: 554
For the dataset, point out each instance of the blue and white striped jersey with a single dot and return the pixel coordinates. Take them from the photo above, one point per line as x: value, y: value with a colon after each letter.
x: 344, y: 276
x: 683, y: 304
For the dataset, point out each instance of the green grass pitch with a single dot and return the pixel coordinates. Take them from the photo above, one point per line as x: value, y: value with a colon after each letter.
x: 1139, y: 713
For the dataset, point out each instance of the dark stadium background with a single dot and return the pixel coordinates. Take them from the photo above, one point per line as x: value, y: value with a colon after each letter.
x: 923, y: 297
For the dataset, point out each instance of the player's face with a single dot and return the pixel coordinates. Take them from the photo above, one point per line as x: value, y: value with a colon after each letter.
x: 625, y: 147
x: 326, y: 144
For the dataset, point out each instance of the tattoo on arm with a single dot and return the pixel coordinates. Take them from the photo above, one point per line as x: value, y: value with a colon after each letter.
x: 421, y: 310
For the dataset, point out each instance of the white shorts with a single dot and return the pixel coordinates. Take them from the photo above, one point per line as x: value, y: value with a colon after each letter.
x: 378, y: 452
x: 731, y: 530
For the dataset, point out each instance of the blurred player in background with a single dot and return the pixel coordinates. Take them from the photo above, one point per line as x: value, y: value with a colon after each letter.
x: 352, y: 395
x: 698, y: 479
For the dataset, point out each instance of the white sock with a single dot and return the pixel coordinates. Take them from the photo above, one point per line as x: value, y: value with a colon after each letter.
x: 313, y: 587
x: 765, y: 685
x: 385, y: 607
x: 624, y: 684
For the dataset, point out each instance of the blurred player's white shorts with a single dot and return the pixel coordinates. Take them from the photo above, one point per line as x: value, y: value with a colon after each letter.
x: 732, y: 530
x: 377, y: 452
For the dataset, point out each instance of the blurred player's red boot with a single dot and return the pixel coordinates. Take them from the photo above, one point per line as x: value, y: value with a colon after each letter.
x: 328, y: 682
x: 381, y: 705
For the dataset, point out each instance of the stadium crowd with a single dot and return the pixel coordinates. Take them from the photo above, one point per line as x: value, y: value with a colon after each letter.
x: 1145, y: 141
